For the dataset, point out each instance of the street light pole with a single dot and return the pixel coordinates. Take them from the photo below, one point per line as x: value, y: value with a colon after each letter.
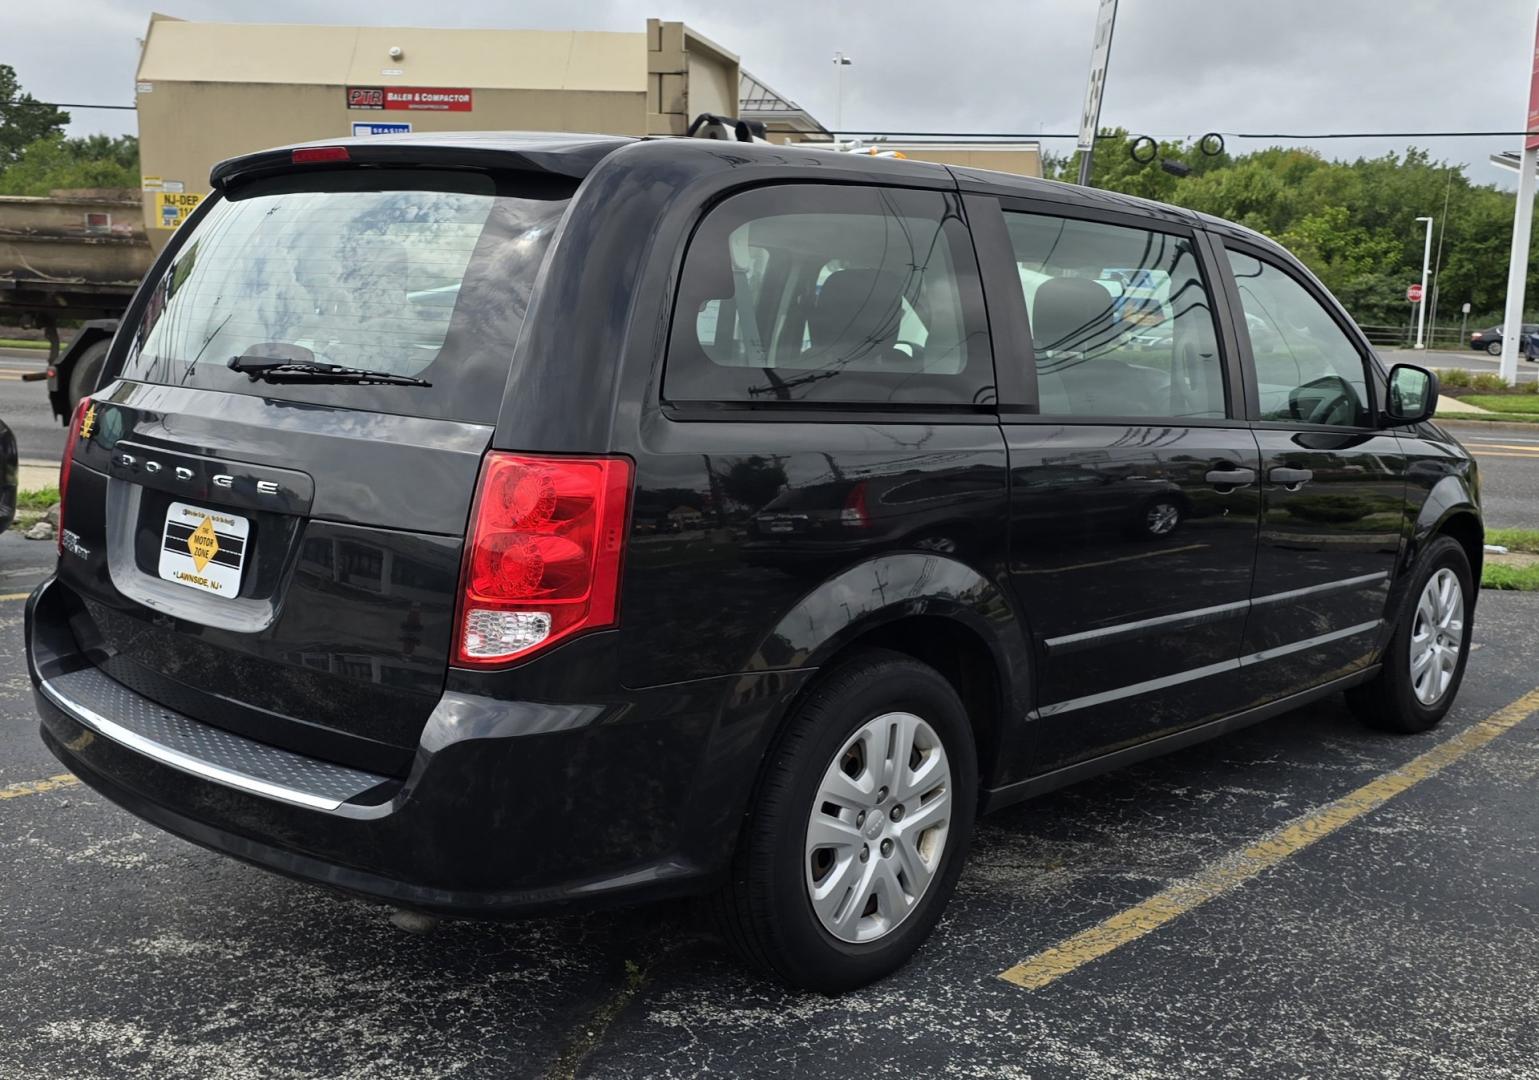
x: 840, y: 63
x: 1426, y: 267
x: 1513, y: 338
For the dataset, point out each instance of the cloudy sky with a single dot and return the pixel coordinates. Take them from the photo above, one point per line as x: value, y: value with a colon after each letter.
x: 1179, y: 67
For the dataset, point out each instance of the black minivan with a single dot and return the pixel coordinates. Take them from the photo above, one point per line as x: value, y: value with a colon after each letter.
x: 487, y: 524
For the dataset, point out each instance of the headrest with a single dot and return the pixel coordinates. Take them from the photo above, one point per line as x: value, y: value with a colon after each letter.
x: 856, y: 306
x: 1071, y: 314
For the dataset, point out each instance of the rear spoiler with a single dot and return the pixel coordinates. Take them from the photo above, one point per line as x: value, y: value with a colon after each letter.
x: 575, y: 158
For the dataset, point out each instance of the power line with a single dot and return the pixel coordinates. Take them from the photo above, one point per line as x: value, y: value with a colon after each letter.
x: 1027, y: 135
x: 65, y: 105
x: 1038, y: 135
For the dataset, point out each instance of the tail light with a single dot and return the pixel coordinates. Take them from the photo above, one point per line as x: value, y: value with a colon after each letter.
x: 855, y: 512
x: 542, y: 558
x: 67, y: 460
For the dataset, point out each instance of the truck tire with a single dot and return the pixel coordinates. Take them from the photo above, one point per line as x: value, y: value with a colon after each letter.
x: 87, y: 372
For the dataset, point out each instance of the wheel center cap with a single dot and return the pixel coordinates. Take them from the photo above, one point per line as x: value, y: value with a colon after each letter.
x: 875, y: 821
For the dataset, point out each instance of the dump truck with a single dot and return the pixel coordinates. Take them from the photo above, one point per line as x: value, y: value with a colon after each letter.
x: 71, y: 256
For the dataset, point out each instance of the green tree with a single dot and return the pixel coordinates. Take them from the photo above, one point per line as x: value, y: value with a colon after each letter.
x: 54, y: 162
x: 1353, y: 223
x: 23, y: 119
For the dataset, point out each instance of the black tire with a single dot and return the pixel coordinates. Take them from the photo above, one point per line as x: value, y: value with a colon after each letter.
x: 1389, y: 702
x: 764, y: 910
x: 1493, y: 348
x: 87, y: 371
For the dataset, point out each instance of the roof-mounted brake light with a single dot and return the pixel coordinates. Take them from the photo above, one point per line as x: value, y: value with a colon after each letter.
x: 311, y: 154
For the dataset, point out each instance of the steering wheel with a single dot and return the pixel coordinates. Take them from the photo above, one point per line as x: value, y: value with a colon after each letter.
x: 1333, y: 410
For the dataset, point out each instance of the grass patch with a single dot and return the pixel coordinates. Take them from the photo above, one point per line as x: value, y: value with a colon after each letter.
x: 1527, y: 404
x: 1515, y: 578
x: 1488, y: 418
x: 22, y: 343
x: 41, y: 499
x: 1515, y: 539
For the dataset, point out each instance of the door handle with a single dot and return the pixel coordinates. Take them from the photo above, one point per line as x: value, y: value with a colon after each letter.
x: 1230, y: 477
x: 1290, y: 478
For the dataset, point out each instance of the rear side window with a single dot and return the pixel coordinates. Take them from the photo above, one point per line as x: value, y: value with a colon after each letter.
x: 423, y: 272
x: 1121, y: 322
x: 851, y: 295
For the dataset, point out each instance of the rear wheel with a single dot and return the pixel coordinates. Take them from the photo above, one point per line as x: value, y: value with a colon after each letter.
x: 87, y: 371
x: 1424, y: 663
x: 860, y: 828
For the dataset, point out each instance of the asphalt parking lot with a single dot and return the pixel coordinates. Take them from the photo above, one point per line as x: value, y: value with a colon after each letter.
x: 1172, y: 921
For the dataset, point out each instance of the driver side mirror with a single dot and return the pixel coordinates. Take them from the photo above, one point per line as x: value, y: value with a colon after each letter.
x: 1412, y: 396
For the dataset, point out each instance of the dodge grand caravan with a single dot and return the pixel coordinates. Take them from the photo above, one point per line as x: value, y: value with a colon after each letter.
x: 488, y: 524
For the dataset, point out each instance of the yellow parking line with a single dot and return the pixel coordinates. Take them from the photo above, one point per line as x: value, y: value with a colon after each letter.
x: 1532, y: 448
x: 1235, y: 869
x: 14, y: 596
x: 1500, y: 453
x: 37, y: 787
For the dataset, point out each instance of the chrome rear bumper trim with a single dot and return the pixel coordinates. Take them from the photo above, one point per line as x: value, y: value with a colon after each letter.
x: 340, y: 782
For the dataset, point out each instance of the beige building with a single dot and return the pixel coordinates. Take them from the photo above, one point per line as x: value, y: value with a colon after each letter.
x: 207, y: 91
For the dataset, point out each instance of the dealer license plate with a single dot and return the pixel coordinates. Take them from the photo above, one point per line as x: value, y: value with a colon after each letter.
x: 204, y: 549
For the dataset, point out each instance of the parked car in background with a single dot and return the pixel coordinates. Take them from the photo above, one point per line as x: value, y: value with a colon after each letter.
x: 8, y: 470
x: 1489, y: 340
x: 752, y: 519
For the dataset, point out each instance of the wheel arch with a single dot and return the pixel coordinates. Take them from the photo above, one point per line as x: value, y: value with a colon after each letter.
x: 1451, y: 508
x: 936, y: 609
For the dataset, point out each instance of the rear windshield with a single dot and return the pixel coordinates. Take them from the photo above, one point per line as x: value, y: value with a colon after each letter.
x: 426, y: 273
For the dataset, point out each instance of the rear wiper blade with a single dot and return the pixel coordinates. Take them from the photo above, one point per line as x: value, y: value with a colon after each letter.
x: 312, y: 371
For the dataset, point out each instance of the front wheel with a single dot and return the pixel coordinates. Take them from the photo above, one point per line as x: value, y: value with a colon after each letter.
x: 859, y: 830
x: 1494, y: 348
x: 1424, y: 663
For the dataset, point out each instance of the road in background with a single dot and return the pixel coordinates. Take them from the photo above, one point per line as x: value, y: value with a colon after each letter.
x: 1508, y: 455
x: 24, y: 406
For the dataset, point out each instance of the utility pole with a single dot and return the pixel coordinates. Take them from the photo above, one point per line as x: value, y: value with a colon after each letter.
x: 1100, y: 57
x: 1426, y: 267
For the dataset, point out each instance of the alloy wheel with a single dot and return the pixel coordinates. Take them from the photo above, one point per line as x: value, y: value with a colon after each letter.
x: 1162, y: 518
x: 1437, y: 636
x: 878, y: 827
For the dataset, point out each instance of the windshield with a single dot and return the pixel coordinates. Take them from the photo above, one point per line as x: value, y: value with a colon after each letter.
x: 418, y: 273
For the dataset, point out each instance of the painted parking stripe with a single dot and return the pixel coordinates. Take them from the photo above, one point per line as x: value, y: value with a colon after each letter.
x: 37, y: 787
x: 1233, y: 870
x: 13, y: 596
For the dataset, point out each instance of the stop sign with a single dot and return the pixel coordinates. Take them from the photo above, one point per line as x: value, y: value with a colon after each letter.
x: 1413, y: 293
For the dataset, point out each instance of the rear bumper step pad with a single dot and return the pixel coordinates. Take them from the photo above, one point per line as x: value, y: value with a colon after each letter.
x: 117, y: 713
